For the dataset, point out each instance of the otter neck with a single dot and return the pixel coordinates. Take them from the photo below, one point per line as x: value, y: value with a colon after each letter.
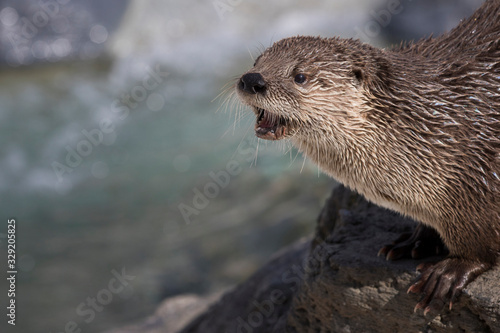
x: 363, y: 162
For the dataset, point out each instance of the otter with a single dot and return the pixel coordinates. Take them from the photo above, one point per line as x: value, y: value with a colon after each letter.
x: 414, y: 128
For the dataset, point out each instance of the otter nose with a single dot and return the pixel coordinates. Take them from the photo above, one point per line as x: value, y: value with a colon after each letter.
x: 252, y: 83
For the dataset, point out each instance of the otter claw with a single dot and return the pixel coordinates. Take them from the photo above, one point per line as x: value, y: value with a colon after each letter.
x: 443, y: 282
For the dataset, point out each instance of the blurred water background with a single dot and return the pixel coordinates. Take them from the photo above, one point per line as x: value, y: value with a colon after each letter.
x: 111, y: 128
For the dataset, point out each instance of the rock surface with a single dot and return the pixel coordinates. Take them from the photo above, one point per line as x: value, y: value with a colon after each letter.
x: 336, y: 283
x: 172, y: 315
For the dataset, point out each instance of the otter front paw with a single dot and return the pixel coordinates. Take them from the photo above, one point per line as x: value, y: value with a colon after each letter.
x: 423, y: 242
x: 443, y: 282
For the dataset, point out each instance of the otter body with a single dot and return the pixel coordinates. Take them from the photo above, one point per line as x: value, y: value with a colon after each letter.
x: 415, y: 129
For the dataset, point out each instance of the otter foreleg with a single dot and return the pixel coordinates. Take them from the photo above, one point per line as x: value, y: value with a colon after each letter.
x: 423, y: 242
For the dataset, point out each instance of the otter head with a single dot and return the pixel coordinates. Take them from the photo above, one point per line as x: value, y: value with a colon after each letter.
x: 302, y: 84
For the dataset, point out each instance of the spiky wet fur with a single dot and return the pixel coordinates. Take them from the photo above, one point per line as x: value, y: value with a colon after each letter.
x: 415, y: 129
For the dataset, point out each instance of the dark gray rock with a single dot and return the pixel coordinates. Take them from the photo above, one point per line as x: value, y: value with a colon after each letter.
x: 420, y: 19
x: 37, y: 32
x: 336, y: 283
x: 349, y: 289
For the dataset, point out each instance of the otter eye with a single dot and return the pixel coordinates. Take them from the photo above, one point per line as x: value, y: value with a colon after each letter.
x: 300, y: 78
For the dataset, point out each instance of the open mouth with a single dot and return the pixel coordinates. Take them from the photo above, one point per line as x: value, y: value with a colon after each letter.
x: 269, y: 126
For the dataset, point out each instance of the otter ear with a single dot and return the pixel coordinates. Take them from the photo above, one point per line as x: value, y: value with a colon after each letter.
x: 374, y: 73
x: 358, y: 74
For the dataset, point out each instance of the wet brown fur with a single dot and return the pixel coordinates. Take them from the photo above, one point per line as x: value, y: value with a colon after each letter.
x: 415, y: 129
